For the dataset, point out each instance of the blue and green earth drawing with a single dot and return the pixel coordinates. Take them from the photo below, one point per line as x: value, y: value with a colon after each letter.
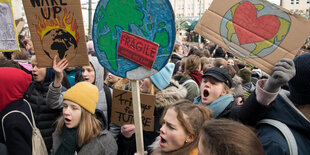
x: 253, y: 28
x: 150, y: 19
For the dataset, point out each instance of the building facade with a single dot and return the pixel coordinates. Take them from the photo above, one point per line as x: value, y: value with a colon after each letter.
x: 297, y: 6
x: 192, y: 9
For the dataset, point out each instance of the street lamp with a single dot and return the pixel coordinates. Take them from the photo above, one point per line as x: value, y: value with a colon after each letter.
x: 89, y: 19
x: 199, y: 37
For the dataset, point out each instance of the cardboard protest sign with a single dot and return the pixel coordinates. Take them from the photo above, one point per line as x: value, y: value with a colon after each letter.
x: 20, y: 23
x: 56, y: 28
x: 254, y: 30
x: 137, y: 49
x: 148, y: 19
x: 8, y: 35
x: 122, y: 109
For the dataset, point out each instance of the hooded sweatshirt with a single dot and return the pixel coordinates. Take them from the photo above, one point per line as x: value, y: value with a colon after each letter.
x: 55, y: 95
x: 99, y: 82
x: 13, y: 84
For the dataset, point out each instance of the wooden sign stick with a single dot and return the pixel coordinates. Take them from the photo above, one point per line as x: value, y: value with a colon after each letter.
x: 137, y: 116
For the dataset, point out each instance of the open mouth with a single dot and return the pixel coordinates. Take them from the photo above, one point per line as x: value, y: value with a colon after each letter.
x: 86, y: 79
x: 205, y: 93
x: 67, y: 120
x: 162, y: 140
x: 35, y: 75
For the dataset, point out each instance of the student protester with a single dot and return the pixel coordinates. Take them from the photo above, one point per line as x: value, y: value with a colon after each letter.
x: 181, y: 123
x: 223, y: 136
x: 114, y: 81
x: 13, y: 84
x: 36, y: 95
x: 92, y: 73
x: 78, y: 131
x: 191, y: 78
x: 290, y: 107
x: 167, y: 92
x: 176, y: 56
x: 215, y: 93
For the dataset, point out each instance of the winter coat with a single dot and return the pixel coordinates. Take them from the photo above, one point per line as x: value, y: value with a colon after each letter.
x: 44, y: 116
x: 13, y: 84
x: 156, y: 149
x: 284, y: 111
x: 249, y: 113
x: 191, y: 87
x: 163, y: 98
x: 55, y: 95
x: 103, y: 144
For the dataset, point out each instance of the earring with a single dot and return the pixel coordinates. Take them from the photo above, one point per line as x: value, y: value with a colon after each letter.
x: 186, y: 141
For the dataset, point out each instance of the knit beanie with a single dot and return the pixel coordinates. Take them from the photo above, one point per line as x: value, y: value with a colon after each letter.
x: 84, y: 94
x: 299, y: 85
x: 162, y: 79
x: 245, y: 74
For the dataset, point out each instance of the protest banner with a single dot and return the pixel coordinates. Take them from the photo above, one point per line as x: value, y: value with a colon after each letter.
x: 122, y: 109
x: 254, y: 30
x: 56, y: 28
x: 8, y: 35
x: 148, y: 19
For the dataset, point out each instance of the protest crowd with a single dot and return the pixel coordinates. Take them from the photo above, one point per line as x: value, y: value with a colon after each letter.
x: 207, y: 101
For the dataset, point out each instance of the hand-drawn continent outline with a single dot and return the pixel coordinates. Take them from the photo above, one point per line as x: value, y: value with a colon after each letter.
x: 257, y: 49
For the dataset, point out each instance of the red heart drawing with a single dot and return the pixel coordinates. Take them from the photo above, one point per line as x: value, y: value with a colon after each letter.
x: 251, y: 29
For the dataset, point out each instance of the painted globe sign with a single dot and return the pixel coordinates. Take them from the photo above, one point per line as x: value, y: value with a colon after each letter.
x: 254, y: 28
x: 115, y: 21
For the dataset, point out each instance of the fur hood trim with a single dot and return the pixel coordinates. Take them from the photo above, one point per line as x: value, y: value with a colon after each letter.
x: 170, y: 95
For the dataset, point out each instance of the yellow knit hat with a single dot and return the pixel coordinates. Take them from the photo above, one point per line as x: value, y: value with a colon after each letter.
x: 84, y: 94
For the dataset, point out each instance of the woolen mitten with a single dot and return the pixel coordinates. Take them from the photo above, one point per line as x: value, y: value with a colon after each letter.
x: 283, y: 71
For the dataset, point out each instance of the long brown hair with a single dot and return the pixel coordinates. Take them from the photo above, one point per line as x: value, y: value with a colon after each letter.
x: 192, y: 63
x: 88, y: 128
x: 191, y: 117
x: 223, y: 136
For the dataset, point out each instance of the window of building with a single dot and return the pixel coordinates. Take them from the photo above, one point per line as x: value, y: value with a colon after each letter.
x: 308, y: 1
x: 292, y: 1
x: 297, y: 1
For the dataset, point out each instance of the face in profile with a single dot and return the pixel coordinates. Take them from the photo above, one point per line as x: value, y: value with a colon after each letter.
x: 88, y: 74
x: 112, y: 78
x: 71, y: 113
x: 145, y: 86
x: 172, y: 133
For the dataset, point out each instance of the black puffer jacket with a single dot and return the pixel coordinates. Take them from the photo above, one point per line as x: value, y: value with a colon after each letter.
x: 44, y: 117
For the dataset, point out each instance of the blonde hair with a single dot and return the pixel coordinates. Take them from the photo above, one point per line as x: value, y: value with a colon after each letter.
x: 88, y: 128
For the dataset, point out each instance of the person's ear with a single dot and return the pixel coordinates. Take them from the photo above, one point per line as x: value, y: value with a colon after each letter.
x: 190, y: 138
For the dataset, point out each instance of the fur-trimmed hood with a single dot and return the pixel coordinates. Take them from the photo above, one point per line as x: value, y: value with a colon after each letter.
x: 170, y: 94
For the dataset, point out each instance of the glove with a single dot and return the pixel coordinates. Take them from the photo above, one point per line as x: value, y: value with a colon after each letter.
x: 283, y: 71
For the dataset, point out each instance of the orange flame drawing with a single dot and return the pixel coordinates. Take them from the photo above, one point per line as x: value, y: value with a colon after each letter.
x: 67, y: 23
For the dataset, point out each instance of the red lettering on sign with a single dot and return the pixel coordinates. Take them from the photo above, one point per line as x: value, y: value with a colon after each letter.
x: 137, y: 49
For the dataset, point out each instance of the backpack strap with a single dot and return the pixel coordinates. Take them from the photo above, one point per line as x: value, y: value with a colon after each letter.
x: 287, y: 133
x: 13, y: 111
x: 191, y: 81
x: 33, y: 124
x: 108, y: 96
